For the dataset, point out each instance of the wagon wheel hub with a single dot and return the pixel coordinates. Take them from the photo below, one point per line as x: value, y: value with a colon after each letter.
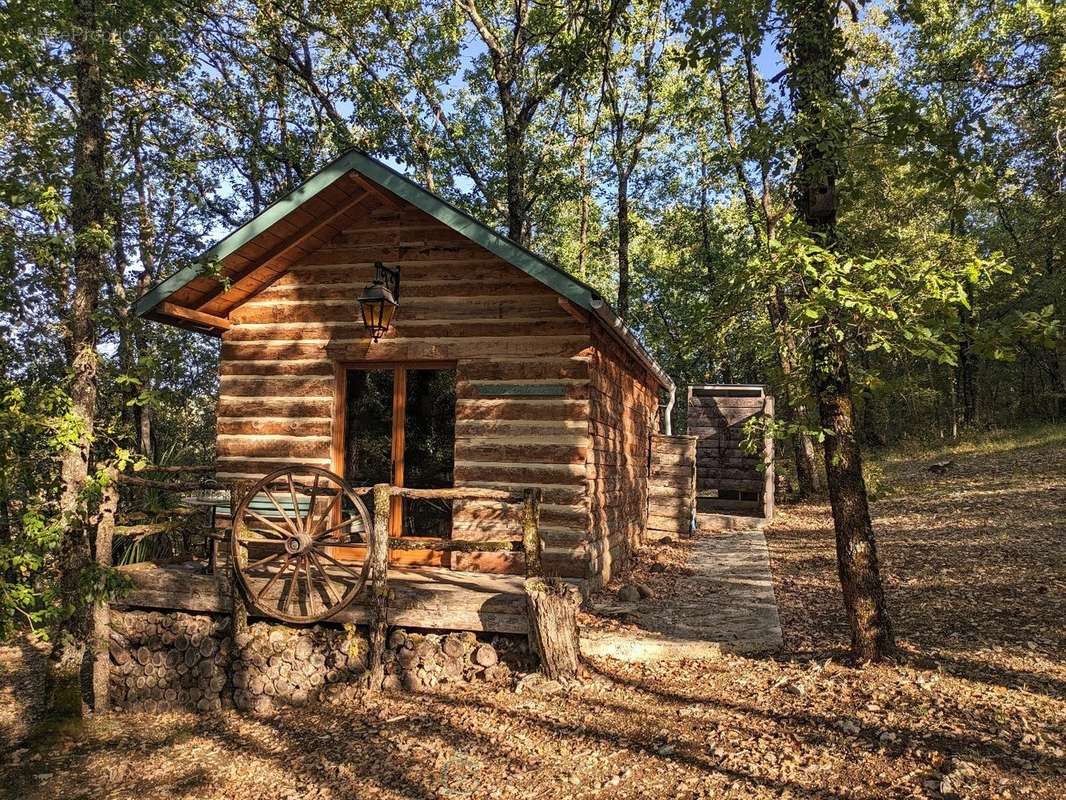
x: 300, y: 541
x: 298, y: 544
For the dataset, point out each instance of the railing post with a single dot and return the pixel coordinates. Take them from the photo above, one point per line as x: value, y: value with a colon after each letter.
x: 237, y: 558
x: 377, y: 578
x: 101, y: 611
x: 531, y: 545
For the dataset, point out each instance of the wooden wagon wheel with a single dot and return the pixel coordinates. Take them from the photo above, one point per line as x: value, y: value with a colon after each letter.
x: 288, y: 532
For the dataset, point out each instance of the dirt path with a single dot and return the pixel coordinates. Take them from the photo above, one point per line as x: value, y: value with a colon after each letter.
x: 22, y: 690
x: 725, y: 602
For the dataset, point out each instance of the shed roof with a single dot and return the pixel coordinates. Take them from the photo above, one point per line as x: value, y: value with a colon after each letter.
x: 201, y: 295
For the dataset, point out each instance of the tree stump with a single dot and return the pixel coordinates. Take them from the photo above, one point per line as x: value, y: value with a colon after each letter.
x: 552, y: 605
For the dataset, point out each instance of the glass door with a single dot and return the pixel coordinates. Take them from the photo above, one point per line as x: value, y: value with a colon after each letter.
x: 399, y: 428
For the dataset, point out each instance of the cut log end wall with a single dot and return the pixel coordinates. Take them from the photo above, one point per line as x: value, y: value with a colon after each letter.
x: 730, y: 479
x: 173, y: 660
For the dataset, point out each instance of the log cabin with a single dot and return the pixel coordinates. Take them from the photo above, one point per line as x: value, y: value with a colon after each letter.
x: 498, y: 370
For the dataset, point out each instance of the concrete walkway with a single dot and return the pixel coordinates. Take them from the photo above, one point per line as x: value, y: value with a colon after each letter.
x: 727, y: 604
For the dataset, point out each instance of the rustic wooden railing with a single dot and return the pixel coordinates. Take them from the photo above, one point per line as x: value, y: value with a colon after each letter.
x: 551, y: 602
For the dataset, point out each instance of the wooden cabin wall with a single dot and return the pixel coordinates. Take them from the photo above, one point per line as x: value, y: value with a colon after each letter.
x: 623, y: 414
x: 459, y: 303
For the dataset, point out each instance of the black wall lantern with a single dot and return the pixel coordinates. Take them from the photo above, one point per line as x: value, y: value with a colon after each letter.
x: 379, y: 300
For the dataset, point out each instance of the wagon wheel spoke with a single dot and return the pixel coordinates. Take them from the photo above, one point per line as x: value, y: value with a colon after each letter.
x: 340, y: 564
x: 295, y: 503
x: 326, y: 514
x: 344, y: 523
x: 264, y: 561
x: 273, y: 579
x: 283, y: 534
x: 294, y: 584
x: 327, y: 581
x: 308, y: 583
x: 311, y: 505
x: 281, y: 511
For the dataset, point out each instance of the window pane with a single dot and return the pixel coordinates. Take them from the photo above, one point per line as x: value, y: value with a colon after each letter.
x: 429, y: 449
x: 368, y: 434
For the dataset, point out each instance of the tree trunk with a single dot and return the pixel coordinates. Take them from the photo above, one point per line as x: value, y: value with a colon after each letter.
x: 378, y: 586
x: 514, y: 163
x: 146, y: 252
x: 857, y: 566
x: 966, y: 382
x: 69, y: 671
x: 623, y: 243
x: 583, y: 221
x: 816, y: 56
x: 88, y: 203
x: 99, y: 699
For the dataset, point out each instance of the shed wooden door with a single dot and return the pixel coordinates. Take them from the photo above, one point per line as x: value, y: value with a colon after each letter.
x: 397, y: 424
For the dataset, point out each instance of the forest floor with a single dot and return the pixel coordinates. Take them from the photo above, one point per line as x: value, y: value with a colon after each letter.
x: 973, y: 705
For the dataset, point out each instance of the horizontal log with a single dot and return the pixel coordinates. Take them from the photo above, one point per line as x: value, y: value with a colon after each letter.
x: 473, y: 390
x: 320, y: 408
x: 546, y: 369
x: 178, y: 468
x: 293, y: 448
x: 558, y: 494
x: 297, y: 426
x: 413, y: 309
x: 396, y: 255
x: 305, y: 367
x: 402, y: 327
x: 279, y: 386
x: 465, y: 450
x: 147, y: 529
x: 148, y: 483
x: 534, y: 474
x: 418, y: 349
x: 522, y: 410
x: 230, y: 465
x: 558, y: 431
x: 458, y: 493
x: 422, y: 598
x: 495, y: 563
x: 455, y: 545
x: 342, y: 284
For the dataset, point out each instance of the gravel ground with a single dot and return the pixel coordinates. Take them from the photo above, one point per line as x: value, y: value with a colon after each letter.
x: 974, y: 705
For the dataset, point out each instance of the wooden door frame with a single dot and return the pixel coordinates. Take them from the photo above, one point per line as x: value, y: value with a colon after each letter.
x: 339, y: 428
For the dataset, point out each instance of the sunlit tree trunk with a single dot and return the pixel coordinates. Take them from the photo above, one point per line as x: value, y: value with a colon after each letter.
x: 88, y: 211
x: 816, y: 57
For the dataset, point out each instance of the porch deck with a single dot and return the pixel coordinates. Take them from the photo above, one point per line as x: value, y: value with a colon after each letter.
x: 424, y: 597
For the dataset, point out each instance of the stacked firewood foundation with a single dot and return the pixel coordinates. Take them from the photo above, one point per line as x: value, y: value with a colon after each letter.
x: 168, y: 661
x: 177, y: 661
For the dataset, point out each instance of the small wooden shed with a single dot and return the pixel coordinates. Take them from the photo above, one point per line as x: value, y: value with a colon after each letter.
x: 730, y: 480
x: 499, y: 369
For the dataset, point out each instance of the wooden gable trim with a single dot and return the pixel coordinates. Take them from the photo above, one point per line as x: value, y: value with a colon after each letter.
x: 195, y: 317
x: 261, y: 268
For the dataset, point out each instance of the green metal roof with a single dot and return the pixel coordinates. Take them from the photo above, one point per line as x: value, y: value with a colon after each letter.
x: 574, y: 290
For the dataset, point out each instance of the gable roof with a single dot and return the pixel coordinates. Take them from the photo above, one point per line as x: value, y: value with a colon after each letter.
x: 278, y: 240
